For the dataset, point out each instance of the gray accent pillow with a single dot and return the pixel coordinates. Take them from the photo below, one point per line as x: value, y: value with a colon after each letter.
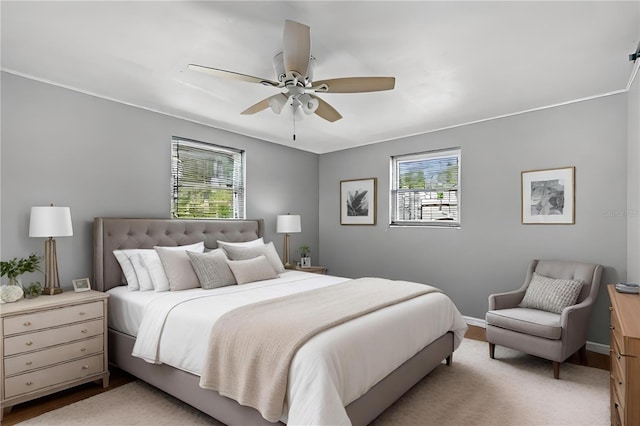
x: 266, y: 250
x: 212, y: 269
x: 550, y: 294
x: 250, y: 270
x: 177, y: 266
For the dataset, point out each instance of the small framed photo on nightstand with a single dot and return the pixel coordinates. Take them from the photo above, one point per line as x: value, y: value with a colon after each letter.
x: 81, y: 284
x: 305, y: 262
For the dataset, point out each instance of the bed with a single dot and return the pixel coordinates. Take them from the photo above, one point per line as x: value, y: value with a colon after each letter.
x: 364, y: 402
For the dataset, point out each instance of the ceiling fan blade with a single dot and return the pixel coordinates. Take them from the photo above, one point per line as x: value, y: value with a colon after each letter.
x: 262, y: 105
x: 276, y: 102
x: 355, y: 84
x: 326, y: 111
x: 297, y: 47
x: 232, y: 75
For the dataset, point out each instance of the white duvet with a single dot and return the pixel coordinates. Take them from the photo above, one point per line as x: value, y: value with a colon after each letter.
x: 330, y: 371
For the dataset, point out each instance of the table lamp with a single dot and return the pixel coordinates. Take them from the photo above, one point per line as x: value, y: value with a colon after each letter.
x: 287, y: 224
x: 49, y: 222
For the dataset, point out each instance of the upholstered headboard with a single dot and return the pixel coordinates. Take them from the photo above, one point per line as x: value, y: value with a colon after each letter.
x: 117, y: 233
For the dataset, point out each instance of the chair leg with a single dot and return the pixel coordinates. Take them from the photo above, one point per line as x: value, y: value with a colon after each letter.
x: 582, y: 354
x: 492, y: 350
x: 556, y: 370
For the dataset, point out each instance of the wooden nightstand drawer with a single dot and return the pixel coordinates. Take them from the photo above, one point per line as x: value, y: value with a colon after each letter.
x: 55, y: 336
x: 52, y: 317
x: 38, y: 359
x: 40, y: 379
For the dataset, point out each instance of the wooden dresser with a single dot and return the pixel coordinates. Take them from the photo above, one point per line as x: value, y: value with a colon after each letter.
x: 52, y: 343
x: 625, y: 358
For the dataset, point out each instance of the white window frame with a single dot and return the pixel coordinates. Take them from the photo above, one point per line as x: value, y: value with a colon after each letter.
x: 238, y: 180
x: 425, y: 207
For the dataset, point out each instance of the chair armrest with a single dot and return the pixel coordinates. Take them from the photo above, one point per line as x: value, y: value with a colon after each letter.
x: 574, y: 321
x: 507, y: 300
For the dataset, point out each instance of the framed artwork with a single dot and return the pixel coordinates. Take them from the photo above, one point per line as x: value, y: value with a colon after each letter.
x: 81, y: 284
x: 548, y: 196
x: 358, y: 200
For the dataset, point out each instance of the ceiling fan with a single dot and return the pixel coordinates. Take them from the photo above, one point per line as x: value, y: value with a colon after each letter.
x: 294, y: 68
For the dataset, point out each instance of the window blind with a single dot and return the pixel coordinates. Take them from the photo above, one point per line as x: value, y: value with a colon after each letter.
x: 425, y: 188
x: 207, y: 181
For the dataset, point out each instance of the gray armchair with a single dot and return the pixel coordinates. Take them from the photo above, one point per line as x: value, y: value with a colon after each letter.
x: 549, y: 335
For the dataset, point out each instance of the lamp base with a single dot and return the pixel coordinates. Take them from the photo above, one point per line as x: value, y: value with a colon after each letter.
x: 50, y: 291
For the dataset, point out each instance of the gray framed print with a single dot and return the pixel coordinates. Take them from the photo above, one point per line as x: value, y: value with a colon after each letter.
x: 358, y: 200
x: 548, y: 196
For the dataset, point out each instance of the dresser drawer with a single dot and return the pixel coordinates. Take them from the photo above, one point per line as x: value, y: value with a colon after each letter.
x: 55, y: 336
x: 41, y: 379
x: 34, y: 360
x: 52, y: 317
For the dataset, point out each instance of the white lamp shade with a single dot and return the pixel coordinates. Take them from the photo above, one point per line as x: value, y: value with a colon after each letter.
x: 288, y: 224
x: 50, y: 221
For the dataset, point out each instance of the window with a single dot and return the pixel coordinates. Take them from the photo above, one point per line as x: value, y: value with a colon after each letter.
x: 425, y: 189
x: 207, y: 181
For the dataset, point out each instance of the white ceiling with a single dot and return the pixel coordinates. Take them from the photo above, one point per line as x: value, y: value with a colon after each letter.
x: 454, y: 62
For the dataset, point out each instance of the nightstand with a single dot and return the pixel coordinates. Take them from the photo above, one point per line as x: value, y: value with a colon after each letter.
x: 52, y: 343
x: 313, y: 269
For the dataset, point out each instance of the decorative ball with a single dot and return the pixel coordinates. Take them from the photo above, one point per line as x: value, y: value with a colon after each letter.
x: 11, y: 293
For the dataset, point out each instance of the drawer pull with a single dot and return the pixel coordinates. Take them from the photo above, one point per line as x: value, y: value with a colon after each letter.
x: 83, y: 349
x: 27, y: 324
x: 81, y: 313
x: 84, y: 330
x: 85, y: 367
x: 29, y: 343
x: 29, y: 383
x: 611, y: 327
x: 28, y: 363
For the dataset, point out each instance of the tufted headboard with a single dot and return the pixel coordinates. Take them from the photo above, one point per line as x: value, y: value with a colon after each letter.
x: 117, y: 233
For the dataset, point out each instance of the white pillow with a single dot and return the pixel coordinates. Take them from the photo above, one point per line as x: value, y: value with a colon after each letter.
x: 127, y: 267
x: 130, y: 274
x: 250, y: 270
x: 155, y: 270
x: 253, y: 243
x: 268, y: 250
x: 144, y: 279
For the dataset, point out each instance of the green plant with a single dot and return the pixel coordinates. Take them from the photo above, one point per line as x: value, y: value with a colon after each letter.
x: 304, y: 251
x: 15, y: 267
x: 33, y: 290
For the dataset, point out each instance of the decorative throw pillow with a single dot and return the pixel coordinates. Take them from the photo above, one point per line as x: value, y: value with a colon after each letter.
x: 177, y: 267
x: 266, y: 250
x: 550, y: 294
x: 250, y: 270
x: 212, y: 269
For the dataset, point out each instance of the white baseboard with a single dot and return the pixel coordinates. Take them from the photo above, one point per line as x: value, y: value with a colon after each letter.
x: 591, y: 346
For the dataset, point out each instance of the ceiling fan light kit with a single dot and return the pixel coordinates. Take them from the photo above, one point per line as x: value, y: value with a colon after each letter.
x: 294, y: 69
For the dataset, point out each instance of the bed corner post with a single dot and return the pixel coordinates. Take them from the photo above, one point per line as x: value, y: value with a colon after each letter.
x: 98, y: 254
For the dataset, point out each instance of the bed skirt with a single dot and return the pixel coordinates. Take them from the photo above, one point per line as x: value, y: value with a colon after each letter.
x: 185, y: 386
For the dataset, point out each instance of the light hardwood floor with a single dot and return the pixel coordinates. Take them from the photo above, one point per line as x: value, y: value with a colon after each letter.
x: 34, y: 408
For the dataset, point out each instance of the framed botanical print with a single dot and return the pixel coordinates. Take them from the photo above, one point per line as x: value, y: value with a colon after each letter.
x: 358, y: 201
x: 548, y: 196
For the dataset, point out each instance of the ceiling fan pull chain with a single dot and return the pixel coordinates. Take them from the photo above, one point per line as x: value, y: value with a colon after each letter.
x: 294, y: 124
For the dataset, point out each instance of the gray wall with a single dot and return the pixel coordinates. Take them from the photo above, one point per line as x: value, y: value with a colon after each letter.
x: 102, y: 158
x: 633, y: 186
x: 492, y: 249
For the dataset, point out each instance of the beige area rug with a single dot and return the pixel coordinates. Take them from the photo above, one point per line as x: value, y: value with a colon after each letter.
x: 513, y: 389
